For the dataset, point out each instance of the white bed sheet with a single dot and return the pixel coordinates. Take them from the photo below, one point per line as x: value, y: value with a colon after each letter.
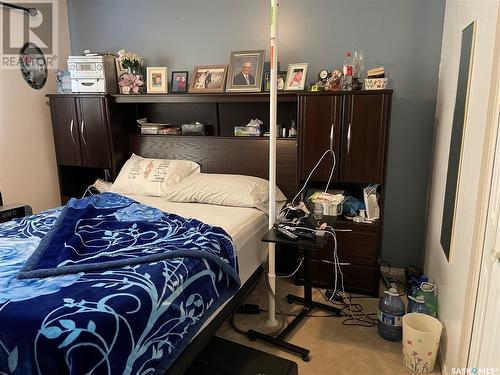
x: 246, y: 226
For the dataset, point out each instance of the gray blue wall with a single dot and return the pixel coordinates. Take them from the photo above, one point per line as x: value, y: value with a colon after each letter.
x: 402, y: 35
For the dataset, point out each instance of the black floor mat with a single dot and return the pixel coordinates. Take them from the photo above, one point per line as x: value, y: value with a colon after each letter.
x: 224, y: 357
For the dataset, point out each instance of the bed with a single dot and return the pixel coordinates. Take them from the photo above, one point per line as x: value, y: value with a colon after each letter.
x: 245, y: 226
x: 63, y: 300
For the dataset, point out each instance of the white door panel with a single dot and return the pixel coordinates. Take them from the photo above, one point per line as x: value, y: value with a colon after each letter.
x: 489, y: 352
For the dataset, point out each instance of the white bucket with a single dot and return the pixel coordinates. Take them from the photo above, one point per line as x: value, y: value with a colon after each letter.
x: 421, y: 335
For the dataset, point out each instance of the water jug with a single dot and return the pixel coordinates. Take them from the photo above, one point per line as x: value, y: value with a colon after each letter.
x: 417, y: 305
x: 391, y: 309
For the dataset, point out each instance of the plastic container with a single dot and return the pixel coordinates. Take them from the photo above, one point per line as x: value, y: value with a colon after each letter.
x: 429, y: 292
x: 414, y: 285
x: 391, y: 309
x: 376, y: 83
x: 417, y: 304
x: 347, y: 71
x: 421, y: 335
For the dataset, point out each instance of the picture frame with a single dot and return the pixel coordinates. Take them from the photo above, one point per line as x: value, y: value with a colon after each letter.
x: 179, y: 82
x: 156, y: 80
x: 296, y: 77
x: 246, y: 71
x: 208, y: 79
x: 281, y: 81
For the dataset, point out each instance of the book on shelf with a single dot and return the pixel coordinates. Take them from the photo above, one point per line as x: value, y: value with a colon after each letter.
x: 146, y: 127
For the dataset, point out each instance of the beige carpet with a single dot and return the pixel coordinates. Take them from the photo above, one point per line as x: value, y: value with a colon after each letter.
x: 335, y: 348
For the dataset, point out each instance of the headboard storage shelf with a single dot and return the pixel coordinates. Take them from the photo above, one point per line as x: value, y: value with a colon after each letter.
x: 203, y: 98
x: 221, y: 112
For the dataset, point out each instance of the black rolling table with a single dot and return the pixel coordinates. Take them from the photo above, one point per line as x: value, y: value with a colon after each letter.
x: 306, y: 247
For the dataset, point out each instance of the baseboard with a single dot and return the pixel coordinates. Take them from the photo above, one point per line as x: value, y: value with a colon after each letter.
x: 444, y: 370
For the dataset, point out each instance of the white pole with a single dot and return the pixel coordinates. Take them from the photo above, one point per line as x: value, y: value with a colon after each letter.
x: 273, y: 98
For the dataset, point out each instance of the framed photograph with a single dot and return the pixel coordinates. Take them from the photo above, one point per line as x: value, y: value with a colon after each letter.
x: 245, y: 71
x: 156, y: 80
x: 281, y: 81
x: 296, y: 76
x: 208, y: 78
x: 179, y: 82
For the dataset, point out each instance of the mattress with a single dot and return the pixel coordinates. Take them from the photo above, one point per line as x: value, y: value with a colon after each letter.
x: 246, y: 226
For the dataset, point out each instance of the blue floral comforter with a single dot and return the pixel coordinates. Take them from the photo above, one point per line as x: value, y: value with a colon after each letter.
x: 108, y: 286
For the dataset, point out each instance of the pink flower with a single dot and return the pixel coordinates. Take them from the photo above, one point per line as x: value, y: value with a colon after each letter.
x: 130, y: 82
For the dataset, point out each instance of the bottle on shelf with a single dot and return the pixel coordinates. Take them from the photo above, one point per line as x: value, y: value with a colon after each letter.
x: 391, y: 309
x: 347, y: 71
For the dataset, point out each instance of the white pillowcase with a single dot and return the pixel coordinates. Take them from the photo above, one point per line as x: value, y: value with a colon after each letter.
x: 224, y: 190
x: 151, y: 177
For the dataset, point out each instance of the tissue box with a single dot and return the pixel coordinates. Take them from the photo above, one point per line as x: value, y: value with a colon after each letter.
x: 193, y: 129
x: 246, y: 131
x: 376, y: 83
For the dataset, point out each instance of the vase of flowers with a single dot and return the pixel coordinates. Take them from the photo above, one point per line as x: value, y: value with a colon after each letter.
x: 130, y: 61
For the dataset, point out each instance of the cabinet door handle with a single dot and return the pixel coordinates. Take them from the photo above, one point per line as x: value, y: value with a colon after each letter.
x: 349, y: 139
x: 331, y: 135
x: 82, y: 132
x: 71, y: 126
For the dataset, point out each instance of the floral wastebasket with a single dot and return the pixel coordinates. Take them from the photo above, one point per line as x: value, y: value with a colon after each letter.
x: 421, y: 335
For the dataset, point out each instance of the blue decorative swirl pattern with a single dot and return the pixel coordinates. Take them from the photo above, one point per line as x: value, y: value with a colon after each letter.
x: 128, y: 319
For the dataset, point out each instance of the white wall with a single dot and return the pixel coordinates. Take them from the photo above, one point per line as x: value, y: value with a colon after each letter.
x: 451, y: 277
x: 28, y: 172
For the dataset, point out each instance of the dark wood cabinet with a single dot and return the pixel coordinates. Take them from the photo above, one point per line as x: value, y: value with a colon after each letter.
x: 363, y: 137
x: 320, y: 124
x: 65, y: 129
x: 358, y: 122
x: 90, y: 139
x: 80, y: 131
x: 93, y: 126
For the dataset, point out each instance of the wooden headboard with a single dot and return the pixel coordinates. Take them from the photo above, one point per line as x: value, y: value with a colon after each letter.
x: 248, y: 156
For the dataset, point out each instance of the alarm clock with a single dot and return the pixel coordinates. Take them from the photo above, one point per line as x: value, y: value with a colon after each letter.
x: 323, y: 75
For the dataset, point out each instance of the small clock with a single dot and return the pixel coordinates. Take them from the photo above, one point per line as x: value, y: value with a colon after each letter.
x: 33, y: 65
x: 323, y: 74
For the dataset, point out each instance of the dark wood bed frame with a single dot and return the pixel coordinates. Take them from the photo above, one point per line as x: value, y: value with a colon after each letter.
x: 221, y: 155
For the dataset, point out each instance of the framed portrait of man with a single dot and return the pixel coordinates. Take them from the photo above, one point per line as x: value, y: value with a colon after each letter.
x: 245, y: 71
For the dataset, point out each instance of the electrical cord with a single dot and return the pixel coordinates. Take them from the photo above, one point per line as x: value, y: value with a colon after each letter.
x: 387, y: 264
x: 273, y: 295
x: 327, y: 152
x: 231, y: 321
x: 294, y: 272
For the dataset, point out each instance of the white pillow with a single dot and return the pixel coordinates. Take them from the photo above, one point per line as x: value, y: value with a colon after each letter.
x: 151, y: 176
x: 223, y: 190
